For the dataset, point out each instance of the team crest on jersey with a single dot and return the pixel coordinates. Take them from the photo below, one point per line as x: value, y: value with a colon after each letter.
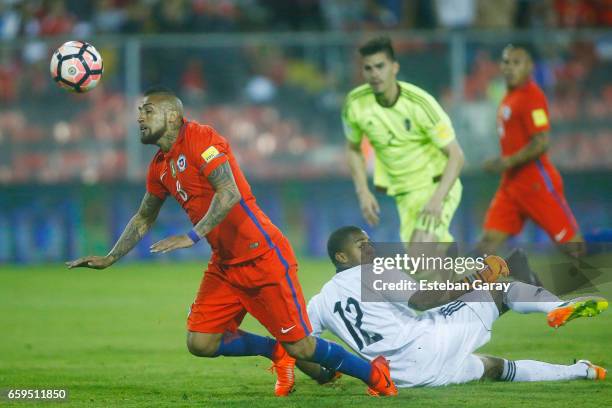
x: 407, y: 124
x: 181, y: 162
x: 506, y: 112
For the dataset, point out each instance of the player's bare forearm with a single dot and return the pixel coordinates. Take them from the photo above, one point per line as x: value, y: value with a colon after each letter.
x: 357, y: 167
x: 368, y: 203
x: 138, y: 226
x: 221, y: 204
x: 131, y: 235
x: 133, y: 232
x: 453, y: 168
x: 538, y: 145
x: 226, y: 196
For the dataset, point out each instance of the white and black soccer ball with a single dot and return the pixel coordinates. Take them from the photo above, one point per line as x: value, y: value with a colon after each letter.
x: 77, y: 66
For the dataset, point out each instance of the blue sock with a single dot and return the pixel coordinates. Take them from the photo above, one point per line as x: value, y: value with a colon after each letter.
x: 331, y: 355
x: 245, y: 344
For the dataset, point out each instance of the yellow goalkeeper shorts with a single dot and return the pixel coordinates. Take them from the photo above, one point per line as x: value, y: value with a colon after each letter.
x: 410, y: 205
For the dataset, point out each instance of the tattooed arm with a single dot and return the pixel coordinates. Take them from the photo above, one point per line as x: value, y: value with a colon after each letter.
x: 226, y: 196
x: 132, y: 234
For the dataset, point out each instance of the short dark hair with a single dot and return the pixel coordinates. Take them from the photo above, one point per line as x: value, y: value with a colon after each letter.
x: 159, y: 89
x: 338, y: 240
x: 378, y: 44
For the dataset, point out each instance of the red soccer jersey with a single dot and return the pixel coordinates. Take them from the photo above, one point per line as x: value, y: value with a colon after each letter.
x: 246, y: 232
x: 523, y: 113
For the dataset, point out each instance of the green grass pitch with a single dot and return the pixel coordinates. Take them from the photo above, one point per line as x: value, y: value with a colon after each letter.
x: 117, y: 338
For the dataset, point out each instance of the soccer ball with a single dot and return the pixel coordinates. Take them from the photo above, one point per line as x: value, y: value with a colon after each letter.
x: 77, y: 66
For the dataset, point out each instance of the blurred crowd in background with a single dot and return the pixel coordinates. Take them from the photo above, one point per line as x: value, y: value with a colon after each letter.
x: 279, y: 101
x: 53, y: 17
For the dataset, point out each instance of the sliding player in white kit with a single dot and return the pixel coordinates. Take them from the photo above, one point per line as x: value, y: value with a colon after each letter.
x: 436, y: 347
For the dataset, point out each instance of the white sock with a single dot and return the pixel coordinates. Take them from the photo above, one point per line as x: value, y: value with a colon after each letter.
x: 524, y: 298
x: 530, y: 370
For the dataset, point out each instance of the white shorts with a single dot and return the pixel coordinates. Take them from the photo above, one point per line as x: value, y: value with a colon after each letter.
x: 446, y: 354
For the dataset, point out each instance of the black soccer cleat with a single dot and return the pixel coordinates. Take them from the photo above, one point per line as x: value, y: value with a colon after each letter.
x: 519, y: 268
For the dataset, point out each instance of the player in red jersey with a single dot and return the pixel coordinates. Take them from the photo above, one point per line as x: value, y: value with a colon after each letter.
x: 531, y: 187
x: 252, y: 269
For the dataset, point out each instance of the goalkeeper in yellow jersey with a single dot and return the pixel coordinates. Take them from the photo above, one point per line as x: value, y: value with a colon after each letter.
x: 418, y: 159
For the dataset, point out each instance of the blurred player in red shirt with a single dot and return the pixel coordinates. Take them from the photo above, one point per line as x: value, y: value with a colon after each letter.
x: 531, y: 187
x: 252, y: 269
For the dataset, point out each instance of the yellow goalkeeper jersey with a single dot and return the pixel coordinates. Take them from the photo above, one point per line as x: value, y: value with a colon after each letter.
x: 407, y: 137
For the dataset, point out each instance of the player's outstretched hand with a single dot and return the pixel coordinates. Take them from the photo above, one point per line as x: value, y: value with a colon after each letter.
x: 433, y: 209
x: 92, y: 261
x: 369, y: 207
x: 171, y: 243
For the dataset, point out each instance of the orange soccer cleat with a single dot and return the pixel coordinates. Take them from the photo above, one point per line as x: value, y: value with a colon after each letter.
x: 284, y: 366
x: 586, y: 306
x: 380, y: 379
x: 594, y: 372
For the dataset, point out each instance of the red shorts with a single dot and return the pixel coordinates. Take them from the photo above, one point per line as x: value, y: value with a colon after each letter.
x: 267, y: 287
x: 542, y: 201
